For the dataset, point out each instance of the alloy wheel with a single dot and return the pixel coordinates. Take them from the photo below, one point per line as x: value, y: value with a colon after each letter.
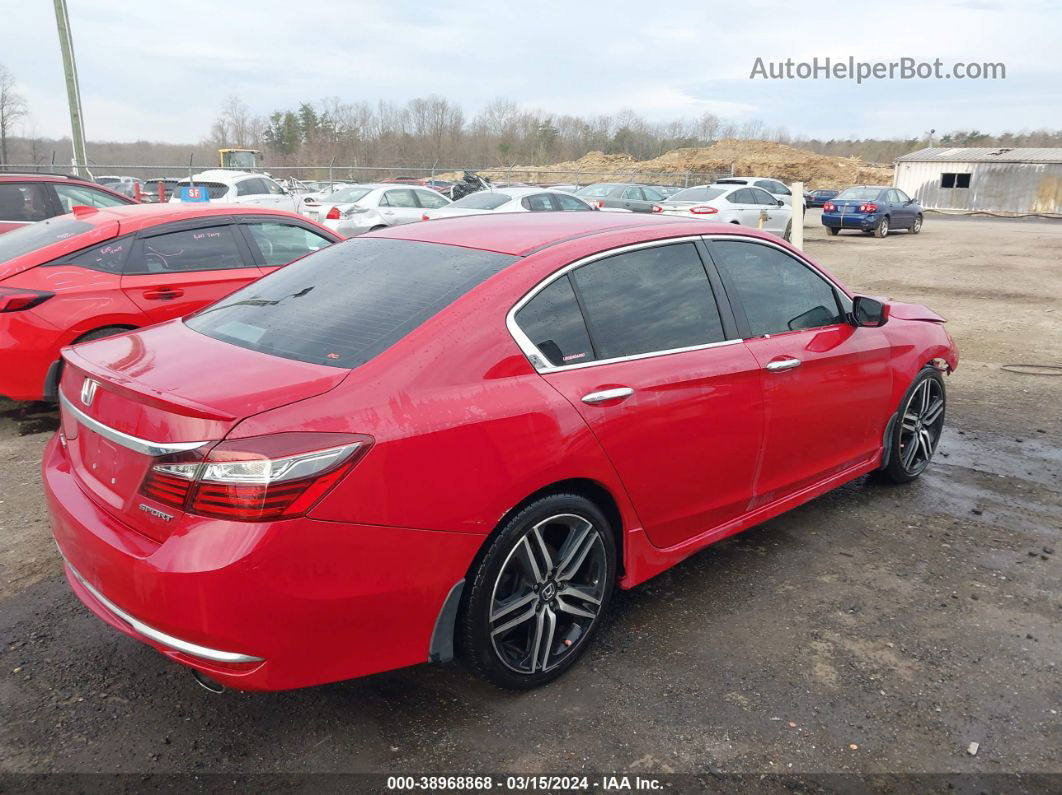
x: 548, y: 593
x: 921, y: 425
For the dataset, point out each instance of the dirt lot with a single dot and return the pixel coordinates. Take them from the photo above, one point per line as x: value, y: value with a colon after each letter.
x: 877, y: 629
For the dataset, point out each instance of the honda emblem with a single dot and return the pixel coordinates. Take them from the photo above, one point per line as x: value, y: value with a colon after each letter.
x: 88, y: 391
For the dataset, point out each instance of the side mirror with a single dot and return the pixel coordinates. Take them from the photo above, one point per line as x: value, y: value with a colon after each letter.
x: 869, y: 312
x: 781, y: 203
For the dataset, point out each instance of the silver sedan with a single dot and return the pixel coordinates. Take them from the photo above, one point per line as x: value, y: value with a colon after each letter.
x: 362, y: 208
x: 511, y: 200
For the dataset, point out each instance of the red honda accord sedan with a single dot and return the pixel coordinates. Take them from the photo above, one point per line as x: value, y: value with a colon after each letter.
x: 463, y: 434
x: 99, y: 272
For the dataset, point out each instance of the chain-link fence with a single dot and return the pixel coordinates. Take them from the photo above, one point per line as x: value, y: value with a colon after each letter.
x: 500, y: 175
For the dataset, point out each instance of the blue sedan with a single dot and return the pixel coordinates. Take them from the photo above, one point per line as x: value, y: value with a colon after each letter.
x: 872, y: 209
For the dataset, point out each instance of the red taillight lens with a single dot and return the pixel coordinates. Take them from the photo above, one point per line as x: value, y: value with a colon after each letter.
x: 657, y: 208
x: 424, y: 217
x: 703, y: 210
x: 828, y: 207
x: 16, y: 299
x: 333, y: 214
x: 868, y: 208
x: 255, y: 479
x: 600, y: 203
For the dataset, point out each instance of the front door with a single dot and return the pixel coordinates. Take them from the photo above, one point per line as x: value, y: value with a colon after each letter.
x: 827, y: 385
x: 171, y: 274
x: 399, y: 206
x: 673, y: 400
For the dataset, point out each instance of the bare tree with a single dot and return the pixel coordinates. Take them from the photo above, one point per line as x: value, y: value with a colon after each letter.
x: 12, y: 108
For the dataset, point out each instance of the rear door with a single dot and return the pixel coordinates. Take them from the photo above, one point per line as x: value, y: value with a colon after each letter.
x: 176, y: 269
x: 638, y: 344
x: 276, y: 242
x: 827, y: 385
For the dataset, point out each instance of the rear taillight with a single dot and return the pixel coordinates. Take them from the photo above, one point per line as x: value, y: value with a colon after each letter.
x: 600, y: 203
x: 703, y: 209
x: 256, y: 479
x: 333, y: 214
x: 424, y: 217
x: 828, y: 207
x: 16, y: 299
x: 868, y: 208
x: 657, y: 208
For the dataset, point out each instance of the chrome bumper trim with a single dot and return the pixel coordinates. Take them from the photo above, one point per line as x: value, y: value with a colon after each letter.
x: 153, y: 449
x: 161, y: 637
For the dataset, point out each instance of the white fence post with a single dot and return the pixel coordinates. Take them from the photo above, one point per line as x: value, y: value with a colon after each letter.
x: 797, y: 236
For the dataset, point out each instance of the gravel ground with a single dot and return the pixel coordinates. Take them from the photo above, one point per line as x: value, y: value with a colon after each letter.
x: 875, y: 630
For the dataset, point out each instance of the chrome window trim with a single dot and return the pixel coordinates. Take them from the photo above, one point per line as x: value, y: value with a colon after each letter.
x: 161, y: 637
x: 134, y: 443
x: 538, y: 359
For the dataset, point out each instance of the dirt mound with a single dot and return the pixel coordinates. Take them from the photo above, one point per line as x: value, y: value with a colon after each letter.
x: 703, y: 164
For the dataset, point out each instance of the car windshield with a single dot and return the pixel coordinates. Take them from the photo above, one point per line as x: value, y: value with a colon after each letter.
x: 347, y: 303
x: 484, y: 200
x: 700, y: 194
x: 348, y: 195
x: 44, y: 233
x: 595, y: 191
x: 859, y: 194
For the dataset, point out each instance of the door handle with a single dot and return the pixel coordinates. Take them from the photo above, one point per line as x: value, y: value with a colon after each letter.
x: 779, y: 365
x: 605, y: 395
x: 163, y: 293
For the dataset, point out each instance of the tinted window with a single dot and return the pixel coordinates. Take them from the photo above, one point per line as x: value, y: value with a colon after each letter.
x: 653, y: 299
x: 483, y: 200
x: 700, y: 194
x: 553, y: 322
x: 284, y: 243
x: 860, y: 194
x: 596, y: 191
x: 431, y: 199
x: 762, y: 197
x: 23, y: 202
x: 72, y: 195
x: 570, y: 202
x: 30, y: 238
x: 209, y: 249
x: 652, y: 195
x: 539, y: 202
x: 399, y: 198
x: 901, y: 196
x: 633, y: 193
x: 108, y: 258
x: 344, y: 305
x: 743, y: 196
x: 777, y: 292
x: 251, y: 187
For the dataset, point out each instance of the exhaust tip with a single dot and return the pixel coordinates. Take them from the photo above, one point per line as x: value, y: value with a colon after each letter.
x: 207, y: 683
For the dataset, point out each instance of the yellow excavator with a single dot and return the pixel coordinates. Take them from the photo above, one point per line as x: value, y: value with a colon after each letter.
x: 243, y: 159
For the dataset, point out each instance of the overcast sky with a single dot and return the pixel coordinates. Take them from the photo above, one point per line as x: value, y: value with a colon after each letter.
x: 161, y: 70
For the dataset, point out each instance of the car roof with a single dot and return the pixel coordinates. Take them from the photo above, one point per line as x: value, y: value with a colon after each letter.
x: 132, y: 217
x: 520, y: 234
x: 9, y: 176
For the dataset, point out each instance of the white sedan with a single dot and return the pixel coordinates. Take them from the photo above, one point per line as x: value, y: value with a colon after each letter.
x: 362, y: 208
x: 734, y: 204
x: 511, y: 200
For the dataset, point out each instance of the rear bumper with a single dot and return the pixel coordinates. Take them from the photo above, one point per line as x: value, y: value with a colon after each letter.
x: 863, y: 222
x: 260, y: 606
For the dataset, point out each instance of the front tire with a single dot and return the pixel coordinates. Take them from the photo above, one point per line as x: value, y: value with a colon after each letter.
x: 539, y: 592
x: 916, y: 227
x: 882, y: 229
x: 918, y: 427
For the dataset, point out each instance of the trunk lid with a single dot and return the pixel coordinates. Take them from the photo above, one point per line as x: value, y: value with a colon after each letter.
x: 128, y: 401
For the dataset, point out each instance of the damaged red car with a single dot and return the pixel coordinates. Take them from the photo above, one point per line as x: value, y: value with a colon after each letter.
x: 460, y: 437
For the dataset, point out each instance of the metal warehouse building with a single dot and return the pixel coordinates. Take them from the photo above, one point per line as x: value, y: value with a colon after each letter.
x: 997, y: 180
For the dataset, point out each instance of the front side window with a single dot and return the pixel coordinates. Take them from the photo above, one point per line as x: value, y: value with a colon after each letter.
x: 540, y: 202
x: 652, y: 195
x: 777, y: 292
x: 554, y: 324
x: 399, y: 198
x: 74, y: 195
x: 431, y: 200
x: 651, y: 299
x: 252, y: 187
x: 209, y: 249
x: 570, y: 203
x: 342, y: 306
x: 762, y: 197
x: 23, y: 202
x: 284, y: 243
x: 902, y: 197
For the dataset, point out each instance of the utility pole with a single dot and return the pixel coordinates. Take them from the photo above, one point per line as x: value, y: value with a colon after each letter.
x: 73, y: 93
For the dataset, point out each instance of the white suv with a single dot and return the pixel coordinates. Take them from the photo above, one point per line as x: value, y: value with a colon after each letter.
x: 240, y: 187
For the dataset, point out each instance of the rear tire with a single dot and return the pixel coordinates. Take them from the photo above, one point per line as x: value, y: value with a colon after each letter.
x: 538, y: 593
x: 882, y: 229
x: 833, y: 230
x: 917, y: 428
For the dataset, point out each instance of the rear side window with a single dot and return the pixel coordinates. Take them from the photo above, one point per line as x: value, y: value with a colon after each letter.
x: 344, y: 305
x: 23, y: 202
x: 210, y: 249
x: 30, y: 238
x: 652, y: 299
x: 109, y: 257
x: 554, y: 324
x: 778, y: 292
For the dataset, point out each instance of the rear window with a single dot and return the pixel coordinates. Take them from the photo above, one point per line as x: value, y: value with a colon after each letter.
x: 484, y: 200
x: 347, y: 195
x: 596, y: 191
x: 697, y: 194
x: 29, y: 238
x: 215, y: 190
x: 344, y: 305
x: 860, y: 194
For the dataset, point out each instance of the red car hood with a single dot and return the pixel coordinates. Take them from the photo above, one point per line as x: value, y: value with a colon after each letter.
x: 914, y: 312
